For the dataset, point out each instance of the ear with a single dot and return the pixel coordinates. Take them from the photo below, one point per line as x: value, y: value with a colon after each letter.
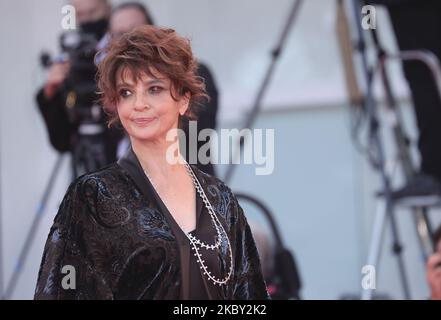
x: 184, y: 104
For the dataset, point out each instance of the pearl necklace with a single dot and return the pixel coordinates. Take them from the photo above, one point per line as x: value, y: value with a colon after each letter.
x: 198, y: 244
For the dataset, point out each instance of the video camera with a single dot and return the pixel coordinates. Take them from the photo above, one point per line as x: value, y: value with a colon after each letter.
x: 80, y: 95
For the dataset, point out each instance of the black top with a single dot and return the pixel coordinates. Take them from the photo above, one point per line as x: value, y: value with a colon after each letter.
x: 197, y: 288
x: 205, y: 231
x: 123, y: 244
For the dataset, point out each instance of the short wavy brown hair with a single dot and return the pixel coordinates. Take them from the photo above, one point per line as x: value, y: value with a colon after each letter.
x: 146, y: 50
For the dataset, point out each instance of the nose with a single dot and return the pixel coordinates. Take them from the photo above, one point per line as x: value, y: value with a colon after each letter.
x: 141, y: 102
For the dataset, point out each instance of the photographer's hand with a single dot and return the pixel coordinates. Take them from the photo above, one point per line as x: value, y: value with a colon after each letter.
x: 56, y: 75
x: 434, y: 275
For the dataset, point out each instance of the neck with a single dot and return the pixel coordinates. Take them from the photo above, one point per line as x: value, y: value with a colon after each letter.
x: 153, y: 156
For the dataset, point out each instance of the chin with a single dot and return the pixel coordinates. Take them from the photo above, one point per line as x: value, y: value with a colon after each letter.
x: 143, y: 136
x: 143, y: 133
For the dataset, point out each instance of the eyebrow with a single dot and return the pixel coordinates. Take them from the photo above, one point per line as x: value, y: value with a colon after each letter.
x: 149, y: 82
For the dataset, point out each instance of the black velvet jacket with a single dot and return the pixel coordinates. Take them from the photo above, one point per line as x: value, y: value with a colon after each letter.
x: 123, y: 243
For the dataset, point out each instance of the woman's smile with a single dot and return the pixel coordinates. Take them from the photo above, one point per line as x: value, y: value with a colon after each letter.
x: 143, y: 121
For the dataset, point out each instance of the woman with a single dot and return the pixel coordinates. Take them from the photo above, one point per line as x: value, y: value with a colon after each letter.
x: 149, y: 227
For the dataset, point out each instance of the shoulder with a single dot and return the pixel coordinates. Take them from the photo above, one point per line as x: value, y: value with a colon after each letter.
x: 106, y: 180
x: 101, y: 195
x: 104, y: 175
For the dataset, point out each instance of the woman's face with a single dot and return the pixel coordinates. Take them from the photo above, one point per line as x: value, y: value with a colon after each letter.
x: 146, y: 108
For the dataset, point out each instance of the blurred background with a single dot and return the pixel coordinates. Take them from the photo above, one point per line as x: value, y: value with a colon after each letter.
x: 322, y: 191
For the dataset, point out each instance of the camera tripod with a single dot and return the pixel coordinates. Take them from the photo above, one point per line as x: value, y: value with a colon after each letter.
x: 89, y: 155
x: 420, y: 211
x: 385, y: 211
x: 369, y: 106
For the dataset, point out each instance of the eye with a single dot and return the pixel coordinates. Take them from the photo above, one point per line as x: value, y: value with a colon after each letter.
x: 124, y: 93
x: 155, y: 90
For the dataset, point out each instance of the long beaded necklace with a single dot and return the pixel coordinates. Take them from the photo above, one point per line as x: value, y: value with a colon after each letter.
x: 198, y: 244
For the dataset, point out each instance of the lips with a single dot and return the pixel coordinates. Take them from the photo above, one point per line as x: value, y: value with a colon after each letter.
x: 142, y: 121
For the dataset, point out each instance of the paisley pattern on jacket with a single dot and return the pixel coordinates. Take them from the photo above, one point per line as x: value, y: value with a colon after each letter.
x: 121, y: 245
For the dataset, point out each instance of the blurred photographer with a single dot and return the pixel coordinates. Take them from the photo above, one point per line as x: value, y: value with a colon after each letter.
x: 67, y: 101
x: 433, y: 269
